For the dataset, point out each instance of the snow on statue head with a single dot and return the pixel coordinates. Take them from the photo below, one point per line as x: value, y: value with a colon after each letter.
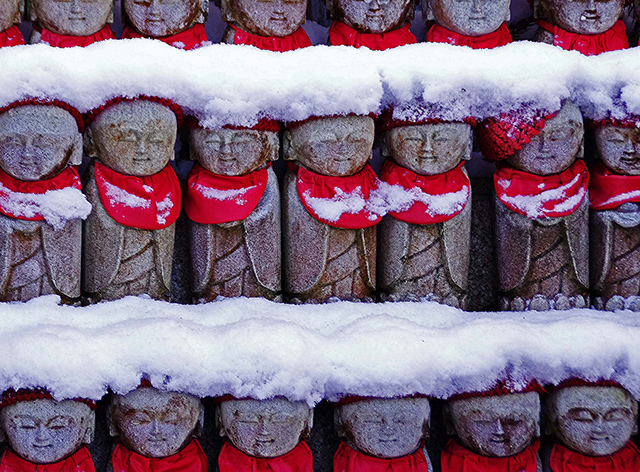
x: 42, y: 430
x: 265, y: 17
x: 372, y: 16
x: 583, y: 16
x: 469, y: 18
x: 618, y: 144
x: 160, y: 18
x: 10, y: 13
x: 73, y: 18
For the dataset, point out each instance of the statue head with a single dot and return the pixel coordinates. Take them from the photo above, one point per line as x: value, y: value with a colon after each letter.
x: 160, y: 18
x: 468, y: 17
x: 72, y: 17
x: 372, y: 16
x: 618, y: 145
x: 37, y: 141
x: 580, y: 16
x: 383, y: 427
x: 155, y: 423
x: 591, y: 418
x: 42, y: 430
x: 264, y: 428
x: 235, y: 151
x: 10, y: 13
x: 333, y: 145
x: 265, y: 17
x: 134, y: 137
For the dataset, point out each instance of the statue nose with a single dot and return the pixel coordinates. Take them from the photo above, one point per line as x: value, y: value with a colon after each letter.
x: 75, y: 7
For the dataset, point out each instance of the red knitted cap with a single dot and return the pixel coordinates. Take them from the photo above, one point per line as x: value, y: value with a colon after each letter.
x: 630, y: 121
x: 295, y: 124
x: 348, y: 399
x: 54, y: 103
x: 264, y: 124
x: 175, y: 108
x: 387, y: 121
x: 502, y: 387
x: 578, y: 382
x: 11, y: 397
x: 500, y: 138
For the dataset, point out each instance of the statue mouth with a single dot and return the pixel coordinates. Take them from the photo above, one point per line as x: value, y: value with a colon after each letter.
x: 589, y: 17
x: 630, y: 161
x: 43, y: 446
x: 265, y: 441
x: 392, y: 440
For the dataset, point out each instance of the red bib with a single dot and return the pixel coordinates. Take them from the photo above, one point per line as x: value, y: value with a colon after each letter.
x: 189, y: 459
x: 150, y: 202
x: 295, y: 40
x: 588, y: 44
x: 626, y: 459
x: 537, y: 196
x: 66, y: 41
x: 341, y: 202
x: 347, y: 459
x: 340, y: 34
x: 428, y: 199
x: 212, y: 199
x: 300, y: 459
x: 456, y: 458
x: 189, y: 39
x: 497, y: 38
x: 608, y: 190
x: 11, y: 37
x: 80, y: 461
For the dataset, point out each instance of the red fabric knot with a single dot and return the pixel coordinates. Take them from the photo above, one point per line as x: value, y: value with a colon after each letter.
x: 11, y: 397
x: 608, y: 190
x: 11, y: 37
x: 626, y: 459
x: 189, y: 39
x: 341, y: 34
x: 299, y: 459
x: 456, y: 458
x: 174, y: 107
x: 347, y: 459
x: 501, y: 387
x: 295, y: 40
x: 497, y: 38
x: 53, y: 103
x: 190, y: 459
x: 613, y: 39
x: 68, y: 41
x: 79, y: 461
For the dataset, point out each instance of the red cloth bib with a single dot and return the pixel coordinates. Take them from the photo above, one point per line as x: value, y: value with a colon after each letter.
x: 347, y: 459
x: 437, y: 198
x: 189, y: 39
x: 295, y: 40
x: 80, y: 461
x: 10, y: 190
x: 341, y: 202
x: 300, y: 459
x: 11, y: 37
x: 212, y: 199
x: 67, y: 41
x: 499, y: 37
x: 588, y: 44
x: 608, y: 190
x: 456, y: 458
x: 626, y: 459
x: 340, y: 34
x: 537, y: 196
x: 189, y: 459
x: 150, y: 202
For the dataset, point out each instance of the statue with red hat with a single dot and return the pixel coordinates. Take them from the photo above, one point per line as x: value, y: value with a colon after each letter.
x: 542, y: 218
x: 233, y: 204
x: 135, y: 193
x: 41, y: 203
x: 330, y: 210
x: 423, y: 242
x: 10, y: 16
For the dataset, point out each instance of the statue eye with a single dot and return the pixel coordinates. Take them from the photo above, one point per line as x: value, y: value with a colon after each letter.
x: 44, y: 142
x: 616, y: 415
x: 58, y: 423
x: 13, y: 140
x: 27, y: 424
x: 140, y: 419
x: 171, y: 418
x: 512, y: 422
x: 581, y: 415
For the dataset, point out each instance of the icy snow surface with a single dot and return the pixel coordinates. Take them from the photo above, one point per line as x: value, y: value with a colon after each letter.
x: 252, y: 347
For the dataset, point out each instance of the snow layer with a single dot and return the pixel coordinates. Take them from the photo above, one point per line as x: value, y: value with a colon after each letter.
x: 252, y: 347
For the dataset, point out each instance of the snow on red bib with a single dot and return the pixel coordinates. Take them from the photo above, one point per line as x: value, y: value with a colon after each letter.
x: 608, y: 190
x: 11, y: 37
x: 189, y: 39
x: 499, y: 37
x: 213, y: 199
x: 456, y: 458
x: 67, y: 41
x: 340, y: 34
x: 613, y: 39
x: 295, y: 40
x: 190, y: 459
x: 425, y: 199
x: 150, y: 202
x: 341, y: 202
x: 347, y: 459
x: 626, y: 459
x: 537, y: 196
x: 79, y: 461
x: 299, y: 459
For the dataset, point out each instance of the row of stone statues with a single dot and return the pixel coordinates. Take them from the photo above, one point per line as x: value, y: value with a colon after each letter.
x: 591, y: 27
x: 497, y: 430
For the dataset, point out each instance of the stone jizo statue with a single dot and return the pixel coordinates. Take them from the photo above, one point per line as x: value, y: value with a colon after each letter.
x: 128, y: 238
x: 329, y: 215
x: 542, y: 220
x: 424, y: 241
x: 233, y: 203
x: 10, y: 16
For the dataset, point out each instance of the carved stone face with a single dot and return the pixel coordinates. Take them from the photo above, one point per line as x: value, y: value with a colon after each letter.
x: 469, y: 17
x: 386, y: 428
x: 233, y: 152
x: 37, y: 141
x: 155, y: 423
x: 335, y: 146
x: 584, y: 16
x: 431, y: 148
x: 9, y: 13
x: 268, y: 17
x: 556, y: 147
x: 264, y: 428
x: 134, y: 138
x: 596, y: 421
x: 374, y: 16
x: 44, y: 431
x: 496, y: 426
x: 158, y: 18
x: 72, y: 17
x: 619, y: 148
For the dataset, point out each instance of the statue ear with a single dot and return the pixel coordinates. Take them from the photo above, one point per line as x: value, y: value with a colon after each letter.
x: 338, y: 423
x: 225, y: 10
x: 76, y: 151
x: 19, y: 12
x: 110, y: 18
x: 30, y: 11
x: 274, y: 146
x: 427, y: 11
x: 288, y: 148
x: 448, y: 422
x: 507, y: 17
x: 112, y: 429
x: 89, y: 146
x: 90, y: 432
x: 634, y: 409
x: 200, y: 424
x: 219, y: 426
x: 384, y: 145
x: 580, y: 154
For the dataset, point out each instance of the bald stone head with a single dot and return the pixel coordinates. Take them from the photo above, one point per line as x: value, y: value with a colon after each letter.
x: 581, y: 16
x: 9, y: 13
x: 72, y: 17
x: 160, y: 18
x: 265, y: 17
x: 468, y: 17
